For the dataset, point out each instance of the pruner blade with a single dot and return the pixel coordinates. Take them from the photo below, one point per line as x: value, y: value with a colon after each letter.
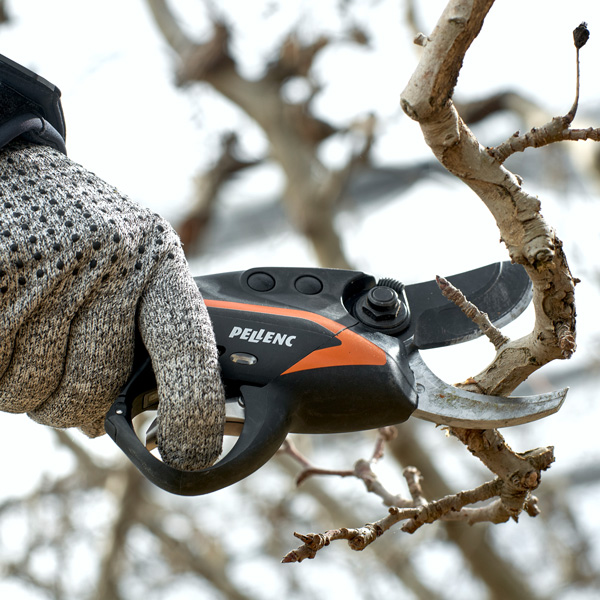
x: 449, y: 405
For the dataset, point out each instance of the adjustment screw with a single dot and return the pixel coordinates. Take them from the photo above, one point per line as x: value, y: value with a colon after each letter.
x: 382, y: 303
x: 382, y: 298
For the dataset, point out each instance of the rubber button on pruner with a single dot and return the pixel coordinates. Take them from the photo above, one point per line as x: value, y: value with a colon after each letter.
x: 261, y: 282
x: 309, y: 285
x: 243, y: 358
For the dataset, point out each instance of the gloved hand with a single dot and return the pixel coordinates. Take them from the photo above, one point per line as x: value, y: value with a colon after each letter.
x: 78, y: 262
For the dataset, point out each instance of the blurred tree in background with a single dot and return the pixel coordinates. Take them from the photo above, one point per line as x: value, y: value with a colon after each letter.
x: 310, y: 166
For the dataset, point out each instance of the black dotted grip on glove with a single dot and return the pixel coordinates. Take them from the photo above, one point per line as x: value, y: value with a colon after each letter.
x: 77, y: 261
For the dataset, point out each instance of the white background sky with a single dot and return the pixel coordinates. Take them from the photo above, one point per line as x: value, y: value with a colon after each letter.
x: 127, y: 123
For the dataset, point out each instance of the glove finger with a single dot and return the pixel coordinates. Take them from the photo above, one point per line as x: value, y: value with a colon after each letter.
x: 97, y: 363
x: 178, y: 335
x: 94, y: 428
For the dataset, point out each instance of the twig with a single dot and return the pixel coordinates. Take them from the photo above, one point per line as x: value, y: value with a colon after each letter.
x: 581, y: 35
x: 479, y: 318
x: 358, y: 539
x: 450, y: 508
x: 384, y: 435
x: 362, y: 468
x: 308, y: 468
x: 364, y: 472
x: 414, y: 480
x: 558, y: 129
x: 517, y: 475
x: 437, y: 510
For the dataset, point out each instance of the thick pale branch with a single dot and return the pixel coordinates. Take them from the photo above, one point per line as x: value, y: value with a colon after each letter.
x: 529, y: 239
x: 432, y: 84
x: 520, y: 473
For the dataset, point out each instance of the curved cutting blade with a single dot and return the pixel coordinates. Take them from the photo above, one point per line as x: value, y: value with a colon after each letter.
x: 501, y: 290
x: 446, y: 404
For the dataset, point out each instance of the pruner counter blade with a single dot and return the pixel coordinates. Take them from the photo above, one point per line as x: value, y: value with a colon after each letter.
x: 446, y: 404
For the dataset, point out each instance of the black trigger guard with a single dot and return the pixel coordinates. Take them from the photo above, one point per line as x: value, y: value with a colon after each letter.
x: 267, y: 421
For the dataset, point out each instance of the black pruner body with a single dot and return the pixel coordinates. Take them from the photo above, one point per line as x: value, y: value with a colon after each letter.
x: 314, y: 351
x: 293, y: 331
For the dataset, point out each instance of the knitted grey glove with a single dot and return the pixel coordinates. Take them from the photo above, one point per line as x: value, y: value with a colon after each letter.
x: 77, y: 261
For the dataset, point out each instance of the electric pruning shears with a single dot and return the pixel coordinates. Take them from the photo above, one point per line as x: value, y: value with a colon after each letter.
x: 330, y: 351
x: 307, y: 350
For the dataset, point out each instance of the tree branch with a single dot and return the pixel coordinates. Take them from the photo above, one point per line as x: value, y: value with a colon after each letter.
x: 311, y: 191
x: 529, y: 239
x: 472, y: 312
x: 517, y: 476
x: 427, y: 99
x: 558, y: 129
x: 207, y: 187
x: 450, y: 508
x: 486, y: 562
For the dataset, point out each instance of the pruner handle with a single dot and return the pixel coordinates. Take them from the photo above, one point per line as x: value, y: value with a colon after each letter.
x: 267, y: 422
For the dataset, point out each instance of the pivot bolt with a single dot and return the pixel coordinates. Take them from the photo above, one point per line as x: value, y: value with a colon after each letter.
x: 383, y: 299
x: 382, y: 308
x: 383, y: 304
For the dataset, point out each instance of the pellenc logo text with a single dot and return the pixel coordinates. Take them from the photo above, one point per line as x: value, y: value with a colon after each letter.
x: 255, y: 336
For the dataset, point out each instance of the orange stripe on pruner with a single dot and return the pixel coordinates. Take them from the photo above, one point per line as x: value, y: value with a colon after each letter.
x: 354, y: 349
x: 275, y: 310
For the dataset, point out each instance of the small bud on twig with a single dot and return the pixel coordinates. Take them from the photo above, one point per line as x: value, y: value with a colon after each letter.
x: 581, y: 34
x: 421, y: 40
